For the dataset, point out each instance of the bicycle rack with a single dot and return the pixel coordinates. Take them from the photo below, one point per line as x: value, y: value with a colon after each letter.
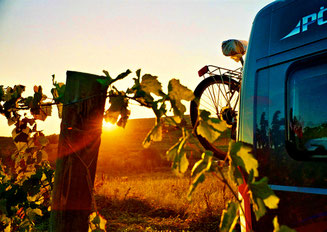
x: 214, y: 70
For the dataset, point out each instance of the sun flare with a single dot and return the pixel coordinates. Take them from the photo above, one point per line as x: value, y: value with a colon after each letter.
x: 108, y: 126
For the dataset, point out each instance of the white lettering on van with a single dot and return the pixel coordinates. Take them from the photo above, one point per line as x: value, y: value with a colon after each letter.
x: 304, y: 23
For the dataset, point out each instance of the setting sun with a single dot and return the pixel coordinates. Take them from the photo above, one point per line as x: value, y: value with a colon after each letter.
x: 108, y: 126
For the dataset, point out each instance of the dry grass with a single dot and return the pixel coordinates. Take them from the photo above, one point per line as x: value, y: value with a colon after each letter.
x: 157, y: 202
x: 137, y: 191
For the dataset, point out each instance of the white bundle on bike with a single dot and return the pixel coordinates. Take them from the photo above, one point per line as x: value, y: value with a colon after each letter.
x: 234, y: 48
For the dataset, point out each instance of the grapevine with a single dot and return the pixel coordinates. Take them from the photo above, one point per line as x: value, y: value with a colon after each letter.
x: 26, y: 182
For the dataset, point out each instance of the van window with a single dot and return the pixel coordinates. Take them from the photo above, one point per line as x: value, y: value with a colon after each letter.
x: 307, y: 111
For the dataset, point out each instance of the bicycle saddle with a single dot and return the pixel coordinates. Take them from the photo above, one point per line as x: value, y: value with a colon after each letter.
x: 234, y: 48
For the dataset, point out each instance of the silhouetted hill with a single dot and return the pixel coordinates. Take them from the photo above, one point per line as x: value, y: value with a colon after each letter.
x: 122, y: 149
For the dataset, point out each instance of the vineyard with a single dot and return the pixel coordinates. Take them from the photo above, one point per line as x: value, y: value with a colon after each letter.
x: 34, y: 196
x: 133, y: 194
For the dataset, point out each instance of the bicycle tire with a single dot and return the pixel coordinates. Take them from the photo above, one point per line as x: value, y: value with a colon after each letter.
x: 214, y: 82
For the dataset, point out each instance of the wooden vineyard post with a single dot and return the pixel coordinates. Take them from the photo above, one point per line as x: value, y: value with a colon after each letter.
x: 79, y: 141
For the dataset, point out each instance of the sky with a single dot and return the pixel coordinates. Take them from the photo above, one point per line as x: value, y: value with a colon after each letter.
x: 166, y: 38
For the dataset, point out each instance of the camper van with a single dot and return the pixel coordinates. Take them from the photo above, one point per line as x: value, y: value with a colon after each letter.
x: 283, y: 109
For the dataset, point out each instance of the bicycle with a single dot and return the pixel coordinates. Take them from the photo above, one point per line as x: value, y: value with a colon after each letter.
x: 218, y: 93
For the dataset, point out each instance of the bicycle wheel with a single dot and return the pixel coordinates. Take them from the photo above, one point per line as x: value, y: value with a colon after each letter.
x: 218, y: 95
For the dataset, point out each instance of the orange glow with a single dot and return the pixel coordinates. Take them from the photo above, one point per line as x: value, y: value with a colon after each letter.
x: 107, y: 126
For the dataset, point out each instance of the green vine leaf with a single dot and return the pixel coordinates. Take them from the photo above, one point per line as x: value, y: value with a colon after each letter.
x: 122, y: 75
x: 138, y: 73
x: 140, y: 95
x: 159, y: 111
x: 218, y: 125
x: 124, y: 115
x: 58, y: 91
x: 173, y: 151
x: 240, y: 157
x: 176, y: 93
x: 184, y: 163
x: 261, y: 189
x: 262, y: 197
x: 206, y: 131
x: 261, y: 194
x: 118, y: 107
x: 210, y: 128
x: 199, y: 170
x: 107, y: 74
x: 42, y: 112
x: 229, y: 217
x: 259, y: 207
x: 178, y: 156
x: 250, y: 163
x: 197, y: 180
x: 105, y: 82
x: 234, y: 162
x: 12, y: 98
x: 150, y: 84
x: 204, y: 164
x: 272, y: 201
x: 154, y: 135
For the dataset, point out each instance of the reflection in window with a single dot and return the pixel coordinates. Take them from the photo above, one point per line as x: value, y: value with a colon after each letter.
x: 307, y: 98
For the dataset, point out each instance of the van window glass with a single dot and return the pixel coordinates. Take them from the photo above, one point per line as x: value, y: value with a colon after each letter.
x: 269, y: 109
x: 307, y: 112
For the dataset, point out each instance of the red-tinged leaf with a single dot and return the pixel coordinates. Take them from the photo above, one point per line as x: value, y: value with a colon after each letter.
x: 36, y: 89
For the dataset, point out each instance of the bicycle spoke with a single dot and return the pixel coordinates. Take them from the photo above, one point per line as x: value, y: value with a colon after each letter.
x: 220, y: 97
x: 217, y: 101
x: 210, y: 94
x: 222, y: 92
x: 210, y: 103
x: 213, y: 97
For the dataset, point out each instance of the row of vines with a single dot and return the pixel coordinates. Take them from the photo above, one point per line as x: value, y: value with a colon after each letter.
x: 26, y: 177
